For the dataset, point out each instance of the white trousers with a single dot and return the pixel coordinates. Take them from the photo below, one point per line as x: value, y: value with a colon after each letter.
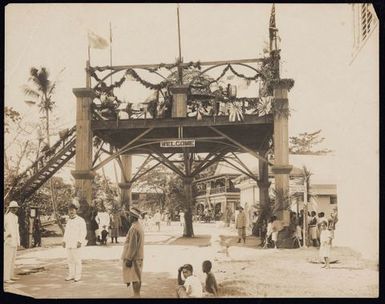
x: 9, y: 262
x: 74, y: 261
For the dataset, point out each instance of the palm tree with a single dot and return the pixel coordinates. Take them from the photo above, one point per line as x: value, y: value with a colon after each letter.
x: 42, y: 89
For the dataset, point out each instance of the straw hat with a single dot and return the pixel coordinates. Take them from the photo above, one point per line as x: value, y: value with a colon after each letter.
x: 75, y: 203
x: 135, y: 212
x: 13, y: 204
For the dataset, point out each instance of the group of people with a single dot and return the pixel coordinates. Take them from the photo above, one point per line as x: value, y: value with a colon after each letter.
x: 132, y: 256
x: 153, y: 221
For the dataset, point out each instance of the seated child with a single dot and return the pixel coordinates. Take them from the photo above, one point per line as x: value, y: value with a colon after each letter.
x: 191, y: 287
x: 211, y: 284
x: 104, y: 234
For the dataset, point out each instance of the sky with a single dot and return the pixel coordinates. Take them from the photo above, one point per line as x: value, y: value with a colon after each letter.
x: 315, y: 42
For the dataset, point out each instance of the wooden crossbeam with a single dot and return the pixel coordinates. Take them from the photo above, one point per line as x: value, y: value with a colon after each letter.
x: 242, y: 164
x: 166, y: 162
x: 240, y: 145
x: 136, y: 177
x: 208, y: 156
x: 142, y: 166
x: 97, y: 153
x: 210, y: 162
x: 122, y: 150
x: 252, y: 176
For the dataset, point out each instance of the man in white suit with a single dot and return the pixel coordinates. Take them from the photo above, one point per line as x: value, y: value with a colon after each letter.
x: 11, y: 241
x: 74, y: 238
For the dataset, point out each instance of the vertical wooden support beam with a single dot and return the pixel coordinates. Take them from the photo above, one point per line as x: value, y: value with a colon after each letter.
x: 83, y: 160
x: 179, y: 100
x: 263, y: 184
x: 281, y: 168
x: 125, y: 185
x: 188, y: 227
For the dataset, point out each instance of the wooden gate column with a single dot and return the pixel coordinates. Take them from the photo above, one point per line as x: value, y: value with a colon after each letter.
x: 188, y: 227
x: 281, y: 168
x: 83, y: 160
x: 263, y: 184
x: 125, y: 185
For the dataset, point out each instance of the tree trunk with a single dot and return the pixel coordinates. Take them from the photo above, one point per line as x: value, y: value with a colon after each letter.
x: 24, y: 225
x: 56, y: 214
x: 188, y: 227
x: 53, y: 203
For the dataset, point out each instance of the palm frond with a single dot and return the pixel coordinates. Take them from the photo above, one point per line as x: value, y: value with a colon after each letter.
x: 30, y: 92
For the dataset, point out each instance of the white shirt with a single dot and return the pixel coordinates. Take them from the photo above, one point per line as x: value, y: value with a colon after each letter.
x: 193, y: 287
x: 75, y: 231
x: 325, y: 236
x: 157, y: 217
x: 181, y: 217
x: 11, y: 230
x: 103, y: 219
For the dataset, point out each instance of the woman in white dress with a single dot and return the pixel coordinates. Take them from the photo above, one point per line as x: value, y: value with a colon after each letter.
x: 325, y: 240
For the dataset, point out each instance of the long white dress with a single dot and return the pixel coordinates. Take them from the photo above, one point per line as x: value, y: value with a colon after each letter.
x: 324, y: 250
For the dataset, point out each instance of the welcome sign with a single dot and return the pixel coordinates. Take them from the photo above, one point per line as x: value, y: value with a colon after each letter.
x: 179, y: 143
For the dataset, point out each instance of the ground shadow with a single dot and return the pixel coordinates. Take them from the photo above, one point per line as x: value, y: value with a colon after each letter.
x: 202, y: 240
x: 231, y: 240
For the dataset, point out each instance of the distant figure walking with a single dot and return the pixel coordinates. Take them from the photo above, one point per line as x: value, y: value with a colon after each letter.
x: 11, y: 241
x: 36, y: 232
x: 133, y: 253
x: 115, y: 224
x: 103, y: 220
x: 74, y: 238
x: 228, y: 216
x: 325, y: 240
x: 157, y: 219
x: 240, y: 224
x: 181, y: 218
x: 313, y: 230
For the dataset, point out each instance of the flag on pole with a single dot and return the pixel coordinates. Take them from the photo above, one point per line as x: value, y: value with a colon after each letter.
x: 272, y: 17
x: 273, y: 29
x: 96, y: 42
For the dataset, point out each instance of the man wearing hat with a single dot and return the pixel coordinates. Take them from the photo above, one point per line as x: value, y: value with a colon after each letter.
x: 11, y: 241
x: 240, y: 224
x: 74, y: 238
x: 133, y: 254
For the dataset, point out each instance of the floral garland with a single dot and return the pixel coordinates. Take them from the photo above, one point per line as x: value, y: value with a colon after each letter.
x: 169, y: 67
x: 145, y: 83
x: 102, y: 87
x: 229, y: 67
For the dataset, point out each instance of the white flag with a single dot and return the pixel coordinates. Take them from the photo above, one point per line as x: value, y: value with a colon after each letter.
x: 96, y: 42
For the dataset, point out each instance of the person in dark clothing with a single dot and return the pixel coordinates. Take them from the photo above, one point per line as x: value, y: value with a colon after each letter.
x: 36, y: 232
x: 210, y: 283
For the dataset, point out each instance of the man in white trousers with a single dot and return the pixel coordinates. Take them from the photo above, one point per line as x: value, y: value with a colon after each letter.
x: 74, y: 238
x: 11, y: 241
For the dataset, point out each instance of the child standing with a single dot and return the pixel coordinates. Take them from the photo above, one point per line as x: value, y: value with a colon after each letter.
x: 211, y: 284
x: 325, y: 240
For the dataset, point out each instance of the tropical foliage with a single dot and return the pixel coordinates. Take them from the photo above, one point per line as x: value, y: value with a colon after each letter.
x: 305, y: 143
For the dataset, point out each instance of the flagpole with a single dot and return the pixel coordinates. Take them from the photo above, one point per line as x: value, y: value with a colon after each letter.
x: 179, y: 41
x: 111, y: 49
x: 88, y: 64
x: 180, y: 70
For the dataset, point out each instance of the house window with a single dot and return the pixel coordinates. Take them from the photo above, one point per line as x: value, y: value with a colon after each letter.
x: 333, y: 199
